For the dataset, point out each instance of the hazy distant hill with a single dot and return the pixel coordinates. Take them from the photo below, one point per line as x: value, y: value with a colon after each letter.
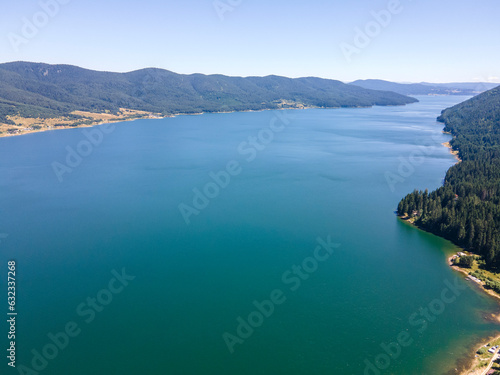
x: 425, y: 88
x: 476, y: 87
x: 34, y: 89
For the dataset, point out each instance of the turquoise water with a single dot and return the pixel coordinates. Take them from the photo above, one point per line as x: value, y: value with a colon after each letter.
x: 336, y: 175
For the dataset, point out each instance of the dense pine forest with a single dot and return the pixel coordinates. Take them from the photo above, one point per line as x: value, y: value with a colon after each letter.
x: 466, y: 210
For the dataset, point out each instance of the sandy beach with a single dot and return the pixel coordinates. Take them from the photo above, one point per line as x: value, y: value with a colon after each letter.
x: 453, y: 152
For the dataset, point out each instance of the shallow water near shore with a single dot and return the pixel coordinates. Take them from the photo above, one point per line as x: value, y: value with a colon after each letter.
x: 320, y: 173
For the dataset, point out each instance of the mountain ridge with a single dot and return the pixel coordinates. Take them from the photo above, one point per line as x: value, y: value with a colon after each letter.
x: 44, y: 91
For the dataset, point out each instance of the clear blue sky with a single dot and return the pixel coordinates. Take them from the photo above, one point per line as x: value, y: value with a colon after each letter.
x: 425, y: 40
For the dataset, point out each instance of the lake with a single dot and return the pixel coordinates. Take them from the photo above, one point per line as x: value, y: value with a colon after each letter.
x: 241, y: 243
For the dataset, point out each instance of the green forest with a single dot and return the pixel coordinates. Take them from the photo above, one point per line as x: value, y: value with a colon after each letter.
x: 466, y: 210
x: 43, y: 90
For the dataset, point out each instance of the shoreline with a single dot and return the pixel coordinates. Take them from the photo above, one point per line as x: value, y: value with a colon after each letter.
x: 471, y: 361
x: 146, y: 116
x: 453, y: 152
x: 474, y: 360
x: 478, y: 282
x: 156, y: 116
x: 34, y: 131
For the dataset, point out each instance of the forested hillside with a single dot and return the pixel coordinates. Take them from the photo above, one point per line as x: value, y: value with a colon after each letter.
x: 42, y: 90
x: 466, y: 209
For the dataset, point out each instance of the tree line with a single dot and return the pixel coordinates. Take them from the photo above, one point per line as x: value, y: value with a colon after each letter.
x: 466, y: 209
x: 57, y: 90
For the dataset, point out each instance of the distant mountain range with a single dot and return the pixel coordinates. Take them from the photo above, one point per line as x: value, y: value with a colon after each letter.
x: 477, y: 87
x: 424, y: 88
x: 41, y: 90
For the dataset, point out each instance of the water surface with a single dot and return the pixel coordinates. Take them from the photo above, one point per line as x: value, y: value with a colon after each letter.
x: 337, y: 173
